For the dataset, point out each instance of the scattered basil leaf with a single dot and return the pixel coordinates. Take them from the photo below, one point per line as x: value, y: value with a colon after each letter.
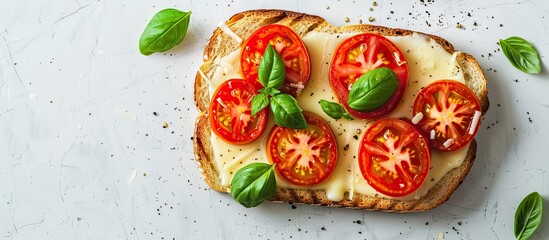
x: 166, y: 29
x: 521, y: 54
x: 271, y: 71
x: 286, y: 112
x: 270, y: 91
x: 528, y: 216
x: 334, y: 110
x: 373, y: 89
x: 259, y: 102
x: 253, y: 184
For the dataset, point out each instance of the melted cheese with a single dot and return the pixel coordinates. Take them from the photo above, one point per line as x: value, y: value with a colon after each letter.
x: 427, y: 62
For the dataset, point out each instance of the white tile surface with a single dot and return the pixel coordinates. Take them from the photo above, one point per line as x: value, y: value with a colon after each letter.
x: 83, y: 156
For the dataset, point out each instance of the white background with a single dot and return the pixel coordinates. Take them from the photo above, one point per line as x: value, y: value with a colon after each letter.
x: 76, y: 121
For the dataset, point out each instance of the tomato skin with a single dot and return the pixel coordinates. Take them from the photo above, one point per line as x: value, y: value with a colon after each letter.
x: 355, y: 56
x: 290, y: 47
x: 303, y: 157
x: 418, y: 129
x: 448, y: 107
x: 393, y: 157
x: 230, y: 112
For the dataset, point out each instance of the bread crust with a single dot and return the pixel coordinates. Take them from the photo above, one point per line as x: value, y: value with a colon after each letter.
x: 243, y: 24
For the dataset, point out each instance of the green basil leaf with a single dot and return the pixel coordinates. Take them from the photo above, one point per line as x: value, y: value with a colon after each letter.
x: 166, y: 29
x: 528, y: 216
x: 259, y: 102
x: 521, y: 54
x: 253, y: 184
x: 373, y: 89
x: 271, y: 71
x: 286, y: 112
x: 334, y: 110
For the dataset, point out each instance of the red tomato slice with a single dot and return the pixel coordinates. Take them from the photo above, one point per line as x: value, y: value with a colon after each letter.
x: 359, y: 54
x: 448, y: 108
x: 290, y: 47
x: 303, y: 156
x: 394, y: 157
x: 230, y: 112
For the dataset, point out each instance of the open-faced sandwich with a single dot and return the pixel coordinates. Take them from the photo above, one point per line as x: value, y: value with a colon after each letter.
x: 359, y: 116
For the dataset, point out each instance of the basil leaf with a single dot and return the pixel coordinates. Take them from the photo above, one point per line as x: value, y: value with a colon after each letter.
x: 521, y: 54
x: 334, y: 110
x: 286, y: 112
x: 253, y: 184
x: 373, y: 89
x: 259, y: 102
x: 166, y: 29
x: 271, y: 71
x: 528, y: 216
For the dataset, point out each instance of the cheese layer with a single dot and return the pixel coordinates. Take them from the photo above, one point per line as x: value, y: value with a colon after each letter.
x: 427, y: 62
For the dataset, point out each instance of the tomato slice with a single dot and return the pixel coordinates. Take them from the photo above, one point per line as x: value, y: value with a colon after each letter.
x: 303, y: 156
x: 359, y: 54
x: 394, y: 157
x: 230, y: 112
x: 448, y: 108
x: 290, y: 47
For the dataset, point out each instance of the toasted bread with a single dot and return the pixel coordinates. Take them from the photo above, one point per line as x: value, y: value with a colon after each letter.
x: 244, y: 24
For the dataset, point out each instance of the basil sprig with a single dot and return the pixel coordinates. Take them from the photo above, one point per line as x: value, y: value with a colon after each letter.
x: 166, y: 29
x: 253, y: 184
x: 521, y: 54
x: 272, y: 73
x: 373, y: 89
x: 528, y: 216
x: 334, y: 110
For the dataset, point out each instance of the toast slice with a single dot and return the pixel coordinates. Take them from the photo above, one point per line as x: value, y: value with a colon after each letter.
x: 244, y: 24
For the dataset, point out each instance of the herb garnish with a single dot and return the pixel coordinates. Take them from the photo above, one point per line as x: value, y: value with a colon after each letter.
x: 528, y: 216
x: 521, y: 54
x: 166, y: 29
x: 272, y: 73
x: 373, y: 89
x: 253, y: 184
